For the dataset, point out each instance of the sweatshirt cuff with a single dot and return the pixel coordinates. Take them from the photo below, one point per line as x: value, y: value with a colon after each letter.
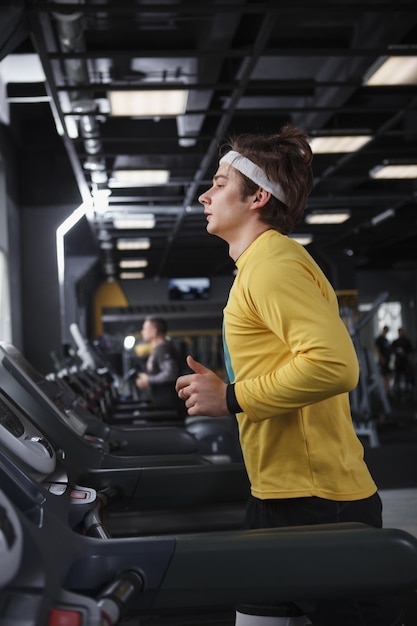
x: 231, y: 401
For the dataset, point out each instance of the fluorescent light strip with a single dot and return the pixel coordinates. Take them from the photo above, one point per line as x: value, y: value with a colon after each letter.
x: 139, y: 177
x: 142, y: 243
x: 331, y: 144
x: 144, y: 220
x: 393, y: 70
x: 152, y: 103
x: 131, y: 275
x: 394, y: 171
x: 330, y: 217
x: 133, y: 263
x: 304, y: 240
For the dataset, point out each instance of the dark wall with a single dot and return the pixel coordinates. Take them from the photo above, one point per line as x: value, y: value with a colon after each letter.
x: 41, y: 307
x: 15, y: 265
x: 35, y: 208
x: 10, y: 235
x: 46, y: 194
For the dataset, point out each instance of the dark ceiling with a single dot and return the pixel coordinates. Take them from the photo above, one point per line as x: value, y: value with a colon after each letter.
x: 249, y: 66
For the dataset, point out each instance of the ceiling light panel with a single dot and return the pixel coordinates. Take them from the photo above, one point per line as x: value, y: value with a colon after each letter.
x: 133, y: 243
x: 327, y: 217
x: 393, y: 70
x: 131, y: 275
x: 143, y: 220
x: 394, y: 171
x: 139, y: 178
x: 338, y: 144
x: 133, y: 263
x: 152, y: 103
x: 304, y: 240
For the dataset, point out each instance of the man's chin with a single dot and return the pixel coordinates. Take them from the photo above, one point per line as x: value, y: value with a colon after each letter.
x: 211, y: 228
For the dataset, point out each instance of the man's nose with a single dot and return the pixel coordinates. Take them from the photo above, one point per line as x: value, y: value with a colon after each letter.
x: 203, y: 198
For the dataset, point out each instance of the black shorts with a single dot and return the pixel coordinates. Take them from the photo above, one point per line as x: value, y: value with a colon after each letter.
x: 384, y: 611
x: 311, y: 510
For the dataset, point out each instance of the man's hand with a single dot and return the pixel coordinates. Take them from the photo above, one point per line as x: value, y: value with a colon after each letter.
x: 142, y: 381
x: 203, y: 392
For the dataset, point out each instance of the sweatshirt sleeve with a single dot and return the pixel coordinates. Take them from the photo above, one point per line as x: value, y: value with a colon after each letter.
x: 166, y: 365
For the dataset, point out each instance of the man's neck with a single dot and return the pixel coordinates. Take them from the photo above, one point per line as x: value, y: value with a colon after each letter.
x: 237, y: 248
x: 158, y: 340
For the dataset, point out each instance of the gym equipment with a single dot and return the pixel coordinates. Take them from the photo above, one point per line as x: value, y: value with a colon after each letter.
x: 252, y: 620
x: 370, y: 386
x: 98, y: 391
x: 83, y: 350
x: 73, y: 571
x: 58, y: 412
x: 199, y: 494
x: 135, y: 440
x: 123, y: 405
x: 99, y: 388
x: 11, y: 542
x: 216, y: 439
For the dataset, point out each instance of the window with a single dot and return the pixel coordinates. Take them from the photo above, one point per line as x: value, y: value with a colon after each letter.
x: 389, y: 314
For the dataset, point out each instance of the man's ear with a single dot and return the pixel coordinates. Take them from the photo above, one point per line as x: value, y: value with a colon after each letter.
x: 261, y: 198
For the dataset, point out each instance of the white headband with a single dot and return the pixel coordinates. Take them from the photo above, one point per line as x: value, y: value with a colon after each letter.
x: 254, y: 173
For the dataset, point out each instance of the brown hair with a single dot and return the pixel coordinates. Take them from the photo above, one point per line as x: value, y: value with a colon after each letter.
x: 286, y: 158
x: 159, y: 323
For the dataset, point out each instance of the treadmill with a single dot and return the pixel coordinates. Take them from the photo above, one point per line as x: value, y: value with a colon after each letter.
x: 112, y: 407
x: 217, y: 438
x: 71, y: 570
x: 202, y: 493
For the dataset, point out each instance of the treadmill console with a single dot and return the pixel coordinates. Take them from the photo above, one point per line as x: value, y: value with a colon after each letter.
x: 48, y: 391
x: 20, y: 437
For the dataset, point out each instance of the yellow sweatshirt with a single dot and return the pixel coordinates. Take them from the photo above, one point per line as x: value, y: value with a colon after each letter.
x: 293, y: 363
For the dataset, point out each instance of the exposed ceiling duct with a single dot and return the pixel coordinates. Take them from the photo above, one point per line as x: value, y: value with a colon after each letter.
x: 71, y: 40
